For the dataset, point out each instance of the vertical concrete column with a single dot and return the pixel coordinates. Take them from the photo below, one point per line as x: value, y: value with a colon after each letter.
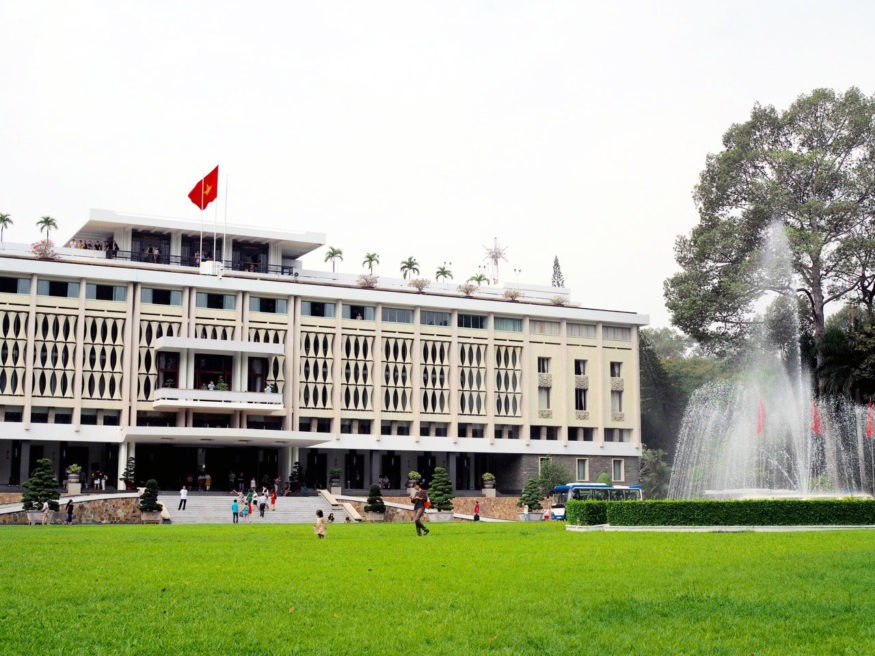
x: 29, y: 352
x: 79, y: 359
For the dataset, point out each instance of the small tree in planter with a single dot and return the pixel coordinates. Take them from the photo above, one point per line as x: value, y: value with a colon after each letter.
x: 41, y: 487
x: 605, y: 478
x: 335, y: 482
x: 129, y: 474
x: 149, y: 506
x: 441, y: 490
x: 375, y: 507
x: 531, y: 496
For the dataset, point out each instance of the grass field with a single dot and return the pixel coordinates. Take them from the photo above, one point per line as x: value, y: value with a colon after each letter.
x: 468, y: 588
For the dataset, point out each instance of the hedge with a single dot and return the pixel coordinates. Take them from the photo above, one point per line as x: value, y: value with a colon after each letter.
x: 758, y: 512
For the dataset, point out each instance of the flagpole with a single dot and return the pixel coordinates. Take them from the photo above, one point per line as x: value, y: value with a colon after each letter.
x: 225, y: 232
x: 200, y: 257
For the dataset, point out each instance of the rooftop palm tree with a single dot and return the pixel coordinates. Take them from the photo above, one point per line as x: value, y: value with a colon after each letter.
x: 5, y: 222
x: 408, y: 267
x: 443, y: 273
x: 333, y: 255
x: 479, y: 278
x: 47, y: 223
x: 370, y: 260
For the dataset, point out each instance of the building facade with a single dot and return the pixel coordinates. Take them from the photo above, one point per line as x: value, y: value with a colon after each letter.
x: 200, y: 352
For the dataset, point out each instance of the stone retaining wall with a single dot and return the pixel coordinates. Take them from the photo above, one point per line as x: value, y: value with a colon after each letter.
x: 118, y: 510
x: 492, y: 507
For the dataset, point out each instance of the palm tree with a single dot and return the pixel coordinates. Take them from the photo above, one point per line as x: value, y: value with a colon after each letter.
x: 333, y: 255
x: 5, y: 222
x: 480, y: 278
x: 409, y: 266
x: 443, y: 273
x: 370, y: 260
x: 47, y: 223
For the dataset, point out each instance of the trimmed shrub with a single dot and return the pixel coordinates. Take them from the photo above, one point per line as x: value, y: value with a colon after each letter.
x: 149, y: 497
x: 586, y: 513
x: 41, y: 487
x: 440, y: 492
x: 375, y: 501
x: 758, y: 512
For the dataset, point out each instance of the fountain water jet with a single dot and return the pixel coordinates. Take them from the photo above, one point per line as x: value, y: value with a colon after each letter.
x: 762, y: 435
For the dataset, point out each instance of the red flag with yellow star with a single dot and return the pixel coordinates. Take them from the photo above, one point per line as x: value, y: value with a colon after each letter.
x: 207, y: 190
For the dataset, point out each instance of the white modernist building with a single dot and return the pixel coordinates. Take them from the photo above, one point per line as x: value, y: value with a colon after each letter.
x: 200, y: 353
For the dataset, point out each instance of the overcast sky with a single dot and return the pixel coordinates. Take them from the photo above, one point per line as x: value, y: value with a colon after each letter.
x: 569, y: 129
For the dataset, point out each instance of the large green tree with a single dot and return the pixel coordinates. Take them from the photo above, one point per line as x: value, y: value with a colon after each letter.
x: 810, y: 170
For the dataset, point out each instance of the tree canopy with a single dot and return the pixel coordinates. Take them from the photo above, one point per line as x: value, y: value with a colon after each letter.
x: 809, y: 170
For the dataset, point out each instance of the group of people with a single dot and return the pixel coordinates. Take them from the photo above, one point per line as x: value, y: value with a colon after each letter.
x: 110, y: 246
x: 245, y: 505
x: 152, y: 254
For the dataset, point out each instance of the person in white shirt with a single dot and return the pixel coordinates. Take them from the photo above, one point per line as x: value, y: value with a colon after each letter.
x: 183, y: 497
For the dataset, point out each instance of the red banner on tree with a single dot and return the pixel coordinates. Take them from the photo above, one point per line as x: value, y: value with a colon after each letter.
x: 761, y: 417
x: 816, y: 421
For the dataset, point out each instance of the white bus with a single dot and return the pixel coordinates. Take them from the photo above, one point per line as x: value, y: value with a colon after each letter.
x: 594, y: 491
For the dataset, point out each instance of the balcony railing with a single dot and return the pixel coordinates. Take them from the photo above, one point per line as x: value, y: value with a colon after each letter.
x: 171, y: 397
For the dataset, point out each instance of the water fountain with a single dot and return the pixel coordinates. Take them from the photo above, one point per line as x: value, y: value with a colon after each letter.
x: 763, y: 435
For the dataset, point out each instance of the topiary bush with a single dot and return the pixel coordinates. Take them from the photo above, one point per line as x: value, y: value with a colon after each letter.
x: 149, y: 497
x: 586, y: 513
x: 441, y: 491
x: 375, y: 499
x: 129, y: 474
x: 532, y: 494
x: 758, y: 512
x: 41, y: 487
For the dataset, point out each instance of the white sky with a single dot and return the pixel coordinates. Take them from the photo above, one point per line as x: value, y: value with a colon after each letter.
x: 575, y: 129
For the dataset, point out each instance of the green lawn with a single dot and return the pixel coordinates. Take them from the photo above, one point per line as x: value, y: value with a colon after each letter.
x: 465, y: 589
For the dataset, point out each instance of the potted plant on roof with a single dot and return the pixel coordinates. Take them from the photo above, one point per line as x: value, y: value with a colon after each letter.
x: 375, y: 508
x: 530, y: 500
x: 150, y: 507
x: 335, y: 483
x: 488, y: 480
x: 413, y: 477
x: 440, y: 493
x: 41, y: 488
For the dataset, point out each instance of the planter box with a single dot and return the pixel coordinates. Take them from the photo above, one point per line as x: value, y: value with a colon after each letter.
x: 150, y: 517
x: 74, y: 488
x: 489, y: 492
x: 534, y: 516
x: 336, y: 490
x: 439, y: 515
x: 371, y: 516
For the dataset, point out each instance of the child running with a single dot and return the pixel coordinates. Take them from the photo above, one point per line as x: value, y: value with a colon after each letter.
x: 319, y: 526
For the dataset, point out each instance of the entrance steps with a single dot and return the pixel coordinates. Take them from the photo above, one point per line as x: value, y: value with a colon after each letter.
x: 215, y: 508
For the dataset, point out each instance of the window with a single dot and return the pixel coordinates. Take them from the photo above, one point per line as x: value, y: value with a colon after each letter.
x: 359, y: 312
x: 106, y: 292
x: 509, y: 325
x: 580, y: 367
x: 216, y: 301
x: 269, y: 305
x: 583, y: 469
x: 543, y: 398
x: 617, y: 473
x: 317, y: 309
x: 476, y: 321
x: 617, y: 334
x: 161, y: 296
x: 618, y: 435
x: 544, y: 327
x: 397, y: 315
x: 15, y: 285
x: 580, y: 399
x: 429, y: 318
x: 543, y: 464
x: 616, y: 401
x: 586, y: 330
x: 57, y: 288
x: 616, y: 369
x: 543, y: 365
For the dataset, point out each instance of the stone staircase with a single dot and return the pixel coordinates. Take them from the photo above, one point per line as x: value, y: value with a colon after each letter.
x: 215, y: 508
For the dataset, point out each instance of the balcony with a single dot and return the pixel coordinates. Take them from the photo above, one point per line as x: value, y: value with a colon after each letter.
x: 201, y: 399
